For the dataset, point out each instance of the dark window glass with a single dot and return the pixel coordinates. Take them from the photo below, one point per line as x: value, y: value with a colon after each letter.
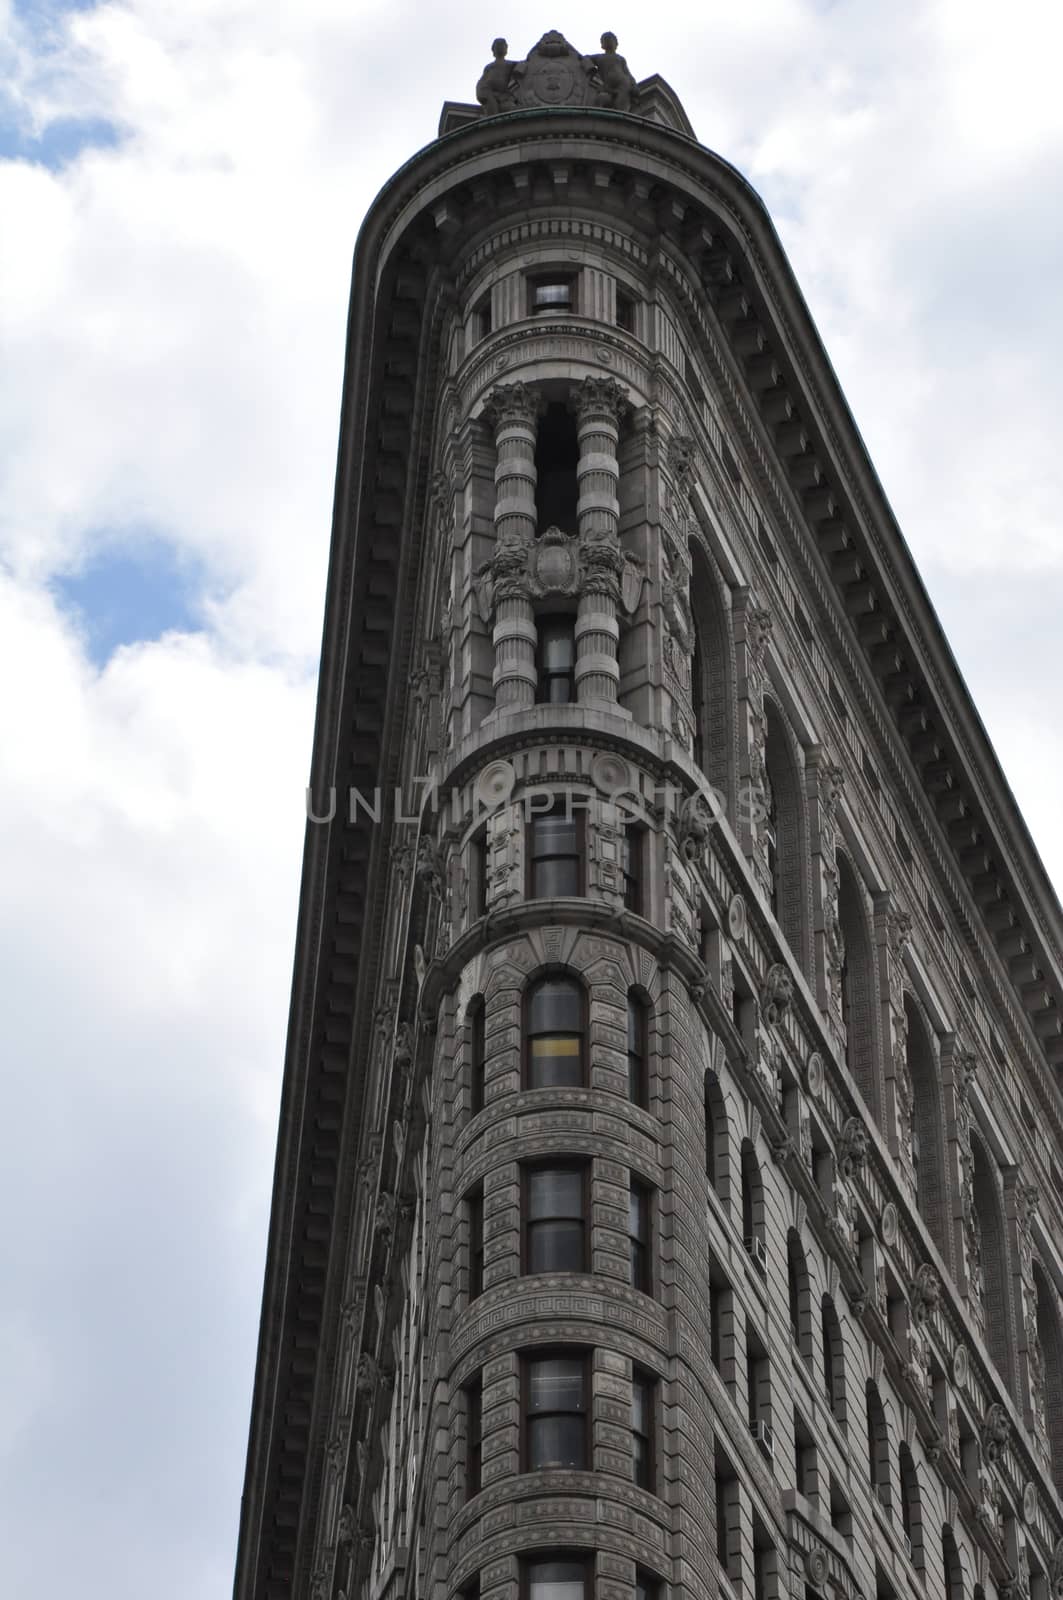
x: 474, y: 1441
x: 557, y: 469
x: 555, y: 1237
x: 636, y: 1050
x: 555, y: 1034
x: 554, y: 1578
x: 639, y: 1235
x: 476, y: 1053
x: 556, y: 664
x: 555, y: 854
x: 625, y: 312
x: 476, y: 1244
x: 632, y: 850
x: 483, y: 317
x: 478, y: 876
x: 646, y: 1588
x: 642, y: 1430
x: 556, y: 1412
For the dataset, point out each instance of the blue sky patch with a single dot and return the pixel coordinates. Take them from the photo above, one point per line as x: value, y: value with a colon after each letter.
x: 59, y: 143
x: 130, y: 593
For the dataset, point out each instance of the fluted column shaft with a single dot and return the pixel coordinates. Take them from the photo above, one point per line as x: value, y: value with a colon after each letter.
x: 598, y: 405
x: 513, y: 409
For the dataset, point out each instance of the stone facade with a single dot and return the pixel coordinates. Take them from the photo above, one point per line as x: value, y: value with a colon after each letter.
x: 667, y: 1185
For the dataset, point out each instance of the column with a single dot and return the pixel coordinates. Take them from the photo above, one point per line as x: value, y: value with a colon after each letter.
x: 513, y: 409
x: 598, y: 402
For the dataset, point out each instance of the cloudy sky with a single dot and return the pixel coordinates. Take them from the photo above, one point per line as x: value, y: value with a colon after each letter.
x: 180, y: 188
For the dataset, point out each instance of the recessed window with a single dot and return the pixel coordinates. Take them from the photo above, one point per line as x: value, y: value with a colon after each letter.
x: 556, y: 660
x: 552, y: 294
x: 555, y: 853
x: 625, y: 312
x: 555, y: 1578
x: 637, y: 1049
x: 642, y: 1397
x: 639, y: 1235
x: 475, y: 1204
x: 555, y: 1226
x: 473, y: 1435
x: 632, y: 871
x: 483, y: 322
x: 646, y: 1588
x: 475, y: 1018
x: 554, y: 1034
x: 478, y: 875
x: 556, y: 1412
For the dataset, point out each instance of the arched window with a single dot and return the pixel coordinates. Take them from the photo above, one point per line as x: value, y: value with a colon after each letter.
x: 878, y: 1445
x: 1047, y: 1370
x: 752, y: 1205
x: 857, y: 984
x: 911, y: 1506
x: 800, y: 1294
x: 989, y: 1229
x: 786, y: 835
x: 715, y: 1135
x: 475, y: 1018
x: 833, y: 1358
x: 554, y: 1032
x: 950, y: 1563
x: 638, y: 1049
x: 926, y: 1126
x: 711, y: 681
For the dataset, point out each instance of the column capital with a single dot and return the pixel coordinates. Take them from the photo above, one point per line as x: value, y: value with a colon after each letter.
x: 513, y: 402
x: 598, y: 397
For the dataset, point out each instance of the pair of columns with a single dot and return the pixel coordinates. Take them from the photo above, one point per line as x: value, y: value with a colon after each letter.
x: 588, y: 566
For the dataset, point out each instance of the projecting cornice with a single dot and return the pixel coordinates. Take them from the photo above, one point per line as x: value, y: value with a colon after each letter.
x: 667, y: 187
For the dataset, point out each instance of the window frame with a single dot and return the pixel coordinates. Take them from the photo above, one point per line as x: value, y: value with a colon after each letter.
x: 476, y: 1018
x: 474, y: 1201
x: 528, y: 1038
x: 542, y: 674
x: 633, y: 846
x: 647, y: 1382
x: 638, y: 1059
x: 528, y: 1360
x: 562, y: 806
x: 577, y: 1165
x: 638, y: 1186
x: 547, y: 278
x: 572, y: 1557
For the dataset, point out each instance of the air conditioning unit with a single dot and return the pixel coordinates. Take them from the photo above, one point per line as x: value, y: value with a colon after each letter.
x: 755, y: 1246
x: 761, y: 1432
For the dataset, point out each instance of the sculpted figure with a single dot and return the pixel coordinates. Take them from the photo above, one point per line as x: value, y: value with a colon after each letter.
x: 494, y: 90
x: 617, y: 85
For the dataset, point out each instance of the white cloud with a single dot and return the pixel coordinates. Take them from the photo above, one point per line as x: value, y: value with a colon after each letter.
x: 172, y: 314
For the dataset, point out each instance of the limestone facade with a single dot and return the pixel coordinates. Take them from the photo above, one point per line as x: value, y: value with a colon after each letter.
x: 668, y: 1198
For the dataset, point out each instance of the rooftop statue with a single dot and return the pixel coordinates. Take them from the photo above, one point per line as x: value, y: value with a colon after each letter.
x: 555, y: 74
x: 495, y: 88
x: 616, y: 85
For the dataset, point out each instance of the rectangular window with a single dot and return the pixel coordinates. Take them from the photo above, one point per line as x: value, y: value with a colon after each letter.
x: 556, y: 660
x: 555, y: 853
x: 555, y: 1210
x: 632, y: 868
x: 556, y: 1413
x: 554, y: 1027
x: 646, y: 1588
x: 475, y: 1204
x: 473, y: 1436
x: 642, y: 1398
x: 478, y: 875
x: 639, y: 1235
x: 483, y: 319
x: 551, y: 295
x: 555, y: 1577
x: 637, y: 1051
x: 476, y: 1022
x: 625, y: 312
